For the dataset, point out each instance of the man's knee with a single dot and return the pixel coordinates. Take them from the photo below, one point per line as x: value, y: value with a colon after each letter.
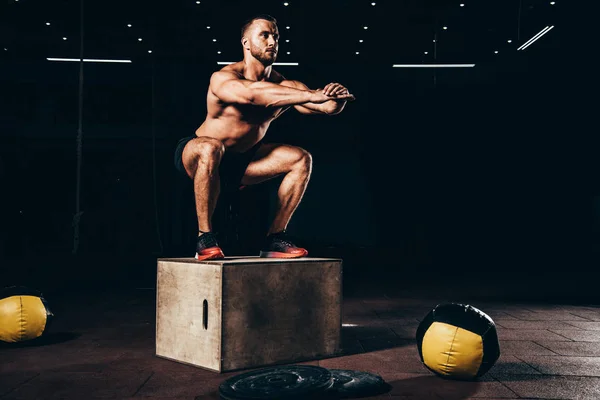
x: 304, y: 159
x: 207, y: 149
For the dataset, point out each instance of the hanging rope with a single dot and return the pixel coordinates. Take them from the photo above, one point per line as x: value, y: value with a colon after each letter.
x: 78, y: 212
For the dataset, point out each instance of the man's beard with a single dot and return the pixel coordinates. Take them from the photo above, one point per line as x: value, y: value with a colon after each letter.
x: 265, y: 58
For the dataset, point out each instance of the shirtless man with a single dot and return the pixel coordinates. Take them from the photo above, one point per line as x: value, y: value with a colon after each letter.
x: 243, y: 99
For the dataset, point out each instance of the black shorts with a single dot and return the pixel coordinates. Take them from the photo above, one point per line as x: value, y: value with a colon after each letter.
x: 232, y: 167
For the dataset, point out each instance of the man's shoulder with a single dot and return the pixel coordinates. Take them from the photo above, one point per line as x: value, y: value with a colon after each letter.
x: 231, y: 70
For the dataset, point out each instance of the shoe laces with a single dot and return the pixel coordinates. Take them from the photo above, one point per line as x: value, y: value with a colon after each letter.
x: 207, y: 239
x: 284, y: 238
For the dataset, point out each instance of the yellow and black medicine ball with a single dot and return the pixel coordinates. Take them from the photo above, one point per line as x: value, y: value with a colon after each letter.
x: 24, y: 314
x: 458, y: 341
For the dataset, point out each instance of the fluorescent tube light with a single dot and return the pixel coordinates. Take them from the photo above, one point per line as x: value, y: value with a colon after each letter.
x: 88, y: 60
x: 536, y: 37
x: 433, y: 65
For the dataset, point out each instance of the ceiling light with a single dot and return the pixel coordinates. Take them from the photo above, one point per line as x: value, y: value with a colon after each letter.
x: 535, y: 37
x: 5, y: 49
x: 214, y: 40
x: 139, y: 39
x: 287, y: 27
x: 366, y: 27
x: 462, y: 4
x: 445, y: 27
x: 288, y: 52
x: 552, y: 3
x: 426, y: 52
x: 64, y: 38
x: 208, y: 27
x: 218, y: 52
x: 287, y: 40
x: 373, y: 3
x: 286, y: 4
x: 433, y: 65
x: 88, y: 60
x: 495, y: 51
x: 129, y: 25
x: 47, y: 23
x: 509, y: 41
x: 360, y: 41
x: 149, y: 51
x: 357, y: 52
x: 197, y: 2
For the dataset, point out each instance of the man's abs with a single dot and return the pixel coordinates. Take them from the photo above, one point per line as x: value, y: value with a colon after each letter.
x: 237, y: 136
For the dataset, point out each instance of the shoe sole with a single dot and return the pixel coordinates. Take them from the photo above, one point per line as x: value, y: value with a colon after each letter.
x: 275, y: 254
x: 210, y: 254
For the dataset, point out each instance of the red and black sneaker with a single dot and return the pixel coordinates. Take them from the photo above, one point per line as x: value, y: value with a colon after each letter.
x: 279, y: 245
x: 207, y: 247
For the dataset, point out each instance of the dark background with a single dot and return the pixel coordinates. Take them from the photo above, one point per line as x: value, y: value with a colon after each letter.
x: 452, y: 176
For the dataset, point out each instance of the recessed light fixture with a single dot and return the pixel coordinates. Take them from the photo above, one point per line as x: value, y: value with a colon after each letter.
x: 208, y: 27
x: 289, y: 52
x: 64, y: 38
x: 445, y: 27
x: 287, y: 40
x: 218, y: 52
x: 214, y: 40
x: 366, y: 27
x: 149, y: 51
x: 286, y: 4
x: 495, y: 51
x: 373, y: 3
x: 360, y: 41
x: 139, y: 39
x: 287, y: 27
x: 357, y: 52
x: 197, y: 2
x: 426, y: 52
x: 462, y: 4
x: 552, y: 3
x: 47, y: 23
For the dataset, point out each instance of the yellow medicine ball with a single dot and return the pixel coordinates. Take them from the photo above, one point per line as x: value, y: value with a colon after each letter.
x: 458, y: 341
x: 24, y: 314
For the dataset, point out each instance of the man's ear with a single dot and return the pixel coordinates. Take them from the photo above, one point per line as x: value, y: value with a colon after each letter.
x: 244, y: 42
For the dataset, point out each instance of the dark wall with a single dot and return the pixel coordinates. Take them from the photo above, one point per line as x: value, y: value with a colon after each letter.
x: 464, y: 169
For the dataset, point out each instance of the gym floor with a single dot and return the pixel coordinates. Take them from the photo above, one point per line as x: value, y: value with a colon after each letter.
x: 102, y: 346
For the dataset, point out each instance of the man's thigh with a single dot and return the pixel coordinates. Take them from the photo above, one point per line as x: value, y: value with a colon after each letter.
x: 270, y: 161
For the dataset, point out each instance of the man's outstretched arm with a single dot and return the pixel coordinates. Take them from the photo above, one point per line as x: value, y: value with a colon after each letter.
x: 338, y: 94
x: 230, y: 88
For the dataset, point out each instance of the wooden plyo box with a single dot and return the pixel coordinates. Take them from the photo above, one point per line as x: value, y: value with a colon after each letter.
x: 246, y: 312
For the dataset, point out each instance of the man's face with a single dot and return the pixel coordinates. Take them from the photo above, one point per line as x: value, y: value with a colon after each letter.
x: 263, y: 38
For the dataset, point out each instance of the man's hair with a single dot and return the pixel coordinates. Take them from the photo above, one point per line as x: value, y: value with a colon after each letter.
x: 251, y: 20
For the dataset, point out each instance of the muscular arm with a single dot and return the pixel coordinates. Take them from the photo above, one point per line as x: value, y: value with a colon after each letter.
x: 330, y: 107
x: 228, y: 87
